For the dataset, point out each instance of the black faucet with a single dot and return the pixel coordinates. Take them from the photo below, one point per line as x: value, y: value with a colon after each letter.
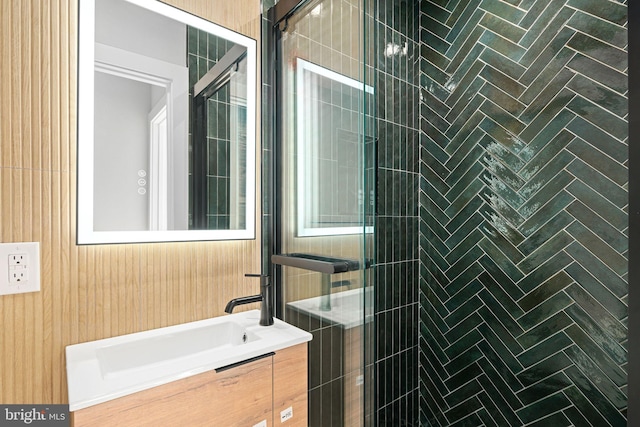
x: 265, y: 299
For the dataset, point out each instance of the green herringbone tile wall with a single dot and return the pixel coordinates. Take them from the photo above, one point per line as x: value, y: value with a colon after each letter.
x: 523, y: 212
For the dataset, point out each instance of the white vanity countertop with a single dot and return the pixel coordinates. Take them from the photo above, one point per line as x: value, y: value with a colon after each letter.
x: 347, y: 308
x: 99, y: 371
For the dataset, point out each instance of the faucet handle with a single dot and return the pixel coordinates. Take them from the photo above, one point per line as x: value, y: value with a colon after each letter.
x: 264, y: 278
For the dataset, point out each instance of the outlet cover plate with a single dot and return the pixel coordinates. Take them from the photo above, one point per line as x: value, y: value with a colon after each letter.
x: 31, y: 250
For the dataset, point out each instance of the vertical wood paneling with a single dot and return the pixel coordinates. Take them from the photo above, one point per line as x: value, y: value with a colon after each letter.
x: 87, y: 292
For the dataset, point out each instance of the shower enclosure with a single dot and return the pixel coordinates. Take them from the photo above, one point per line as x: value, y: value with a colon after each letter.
x: 325, y: 191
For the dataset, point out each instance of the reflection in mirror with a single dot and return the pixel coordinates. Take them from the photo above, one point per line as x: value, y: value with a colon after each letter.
x: 166, y: 126
x: 329, y: 130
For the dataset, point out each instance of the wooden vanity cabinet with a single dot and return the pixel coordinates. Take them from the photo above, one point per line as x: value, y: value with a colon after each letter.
x: 249, y: 394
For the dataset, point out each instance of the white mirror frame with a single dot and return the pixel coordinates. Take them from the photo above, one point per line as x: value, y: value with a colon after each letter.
x: 86, y: 86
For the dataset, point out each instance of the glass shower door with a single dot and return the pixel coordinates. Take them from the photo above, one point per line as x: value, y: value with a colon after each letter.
x: 326, y: 188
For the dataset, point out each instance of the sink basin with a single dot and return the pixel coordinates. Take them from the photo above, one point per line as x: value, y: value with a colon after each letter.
x: 146, y: 352
x: 348, y: 309
x: 99, y: 371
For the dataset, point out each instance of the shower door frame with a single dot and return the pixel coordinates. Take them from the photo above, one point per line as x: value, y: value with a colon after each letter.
x: 276, y: 22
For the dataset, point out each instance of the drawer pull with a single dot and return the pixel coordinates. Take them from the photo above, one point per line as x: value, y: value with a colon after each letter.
x: 244, y: 362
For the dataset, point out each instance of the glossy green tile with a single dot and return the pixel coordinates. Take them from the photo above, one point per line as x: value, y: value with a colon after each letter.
x: 500, y: 276
x: 534, y: 9
x: 549, y: 327
x: 600, y: 51
x: 502, y: 99
x: 496, y: 404
x: 600, y: 336
x: 502, y: 27
x: 503, y: 10
x: 435, y: 42
x: 465, y: 412
x: 545, y: 271
x: 462, y: 328
x: 465, y: 392
x: 599, y: 28
x: 503, y: 81
x: 471, y: 222
x: 586, y: 407
x: 549, y: 229
x: 463, y: 376
x: 548, y: 183
x: 597, y: 115
x: 545, y: 93
x: 462, y: 360
x: 539, y: 156
x: 462, y: 311
x: 596, y: 398
x: 604, y: 297
x: 601, y: 228
x: 494, y: 332
x: 543, y: 197
x: 545, y: 310
x: 540, y: 352
x: 601, y: 95
x: 546, y: 387
x: 500, y: 367
x: 591, y: 351
x: 463, y: 176
x: 502, y: 45
x: 461, y: 201
x: 549, y: 25
x: 433, y: 56
x: 595, y: 180
x: 499, y: 312
x: 538, y: 219
x: 599, y: 139
x: 461, y: 84
x: 463, y: 343
x: 543, y: 408
x: 497, y: 290
x: 575, y: 416
x: 464, y: 21
x: 612, y: 258
x: 468, y: 242
x: 464, y: 108
x: 462, y: 263
x: 607, y: 76
x: 459, y: 152
x: 609, y: 11
x: 608, y: 167
x: 548, y: 113
x: 461, y: 280
x: 464, y: 124
x: 544, y: 368
x: 465, y: 54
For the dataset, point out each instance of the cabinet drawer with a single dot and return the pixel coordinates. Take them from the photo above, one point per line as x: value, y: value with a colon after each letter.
x: 239, y: 396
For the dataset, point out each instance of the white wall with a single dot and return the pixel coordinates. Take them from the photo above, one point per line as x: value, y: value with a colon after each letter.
x: 126, y: 26
x: 121, y: 150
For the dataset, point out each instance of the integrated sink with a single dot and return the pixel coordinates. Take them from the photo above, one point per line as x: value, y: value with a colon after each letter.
x: 348, y: 309
x: 99, y: 371
x: 117, y: 359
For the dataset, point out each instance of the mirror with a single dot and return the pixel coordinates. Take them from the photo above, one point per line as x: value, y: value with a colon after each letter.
x: 166, y: 126
x: 329, y: 132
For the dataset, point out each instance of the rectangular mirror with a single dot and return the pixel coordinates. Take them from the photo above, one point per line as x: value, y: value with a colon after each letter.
x: 166, y: 126
x: 329, y: 142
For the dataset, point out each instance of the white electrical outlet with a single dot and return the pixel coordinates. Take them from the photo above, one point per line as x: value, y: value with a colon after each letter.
x: 286, y: 415
x: 19, y: 268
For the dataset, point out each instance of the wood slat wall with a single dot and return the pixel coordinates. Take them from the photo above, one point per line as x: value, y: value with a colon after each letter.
x: 87, y: 292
